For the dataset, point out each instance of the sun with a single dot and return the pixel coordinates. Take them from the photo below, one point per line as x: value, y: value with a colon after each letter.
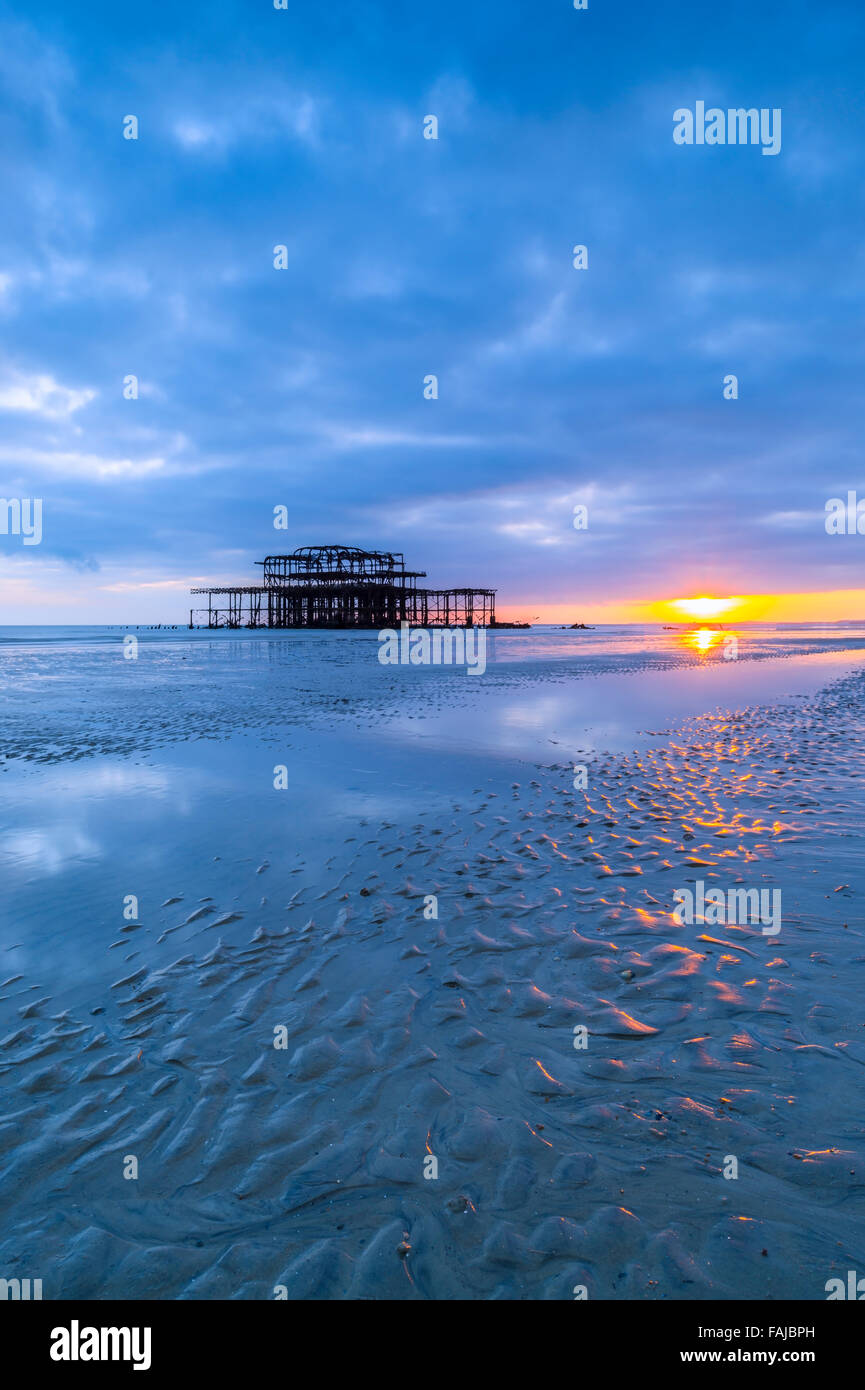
x: 704, y: 607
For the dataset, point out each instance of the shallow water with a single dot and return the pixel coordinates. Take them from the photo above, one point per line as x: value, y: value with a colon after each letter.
x: 409, y: 1037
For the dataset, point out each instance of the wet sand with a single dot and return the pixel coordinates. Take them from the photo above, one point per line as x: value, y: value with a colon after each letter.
x: 299, y: 916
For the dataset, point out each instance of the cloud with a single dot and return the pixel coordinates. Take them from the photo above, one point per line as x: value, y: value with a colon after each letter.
x: 41, y: 395
x: 34, y: 73
x: 376, y: 437
x: 452, y: 98
x: 132, y: 586
x: 795, y: 520
x: 545, y: 513
x: 92, y: 467
x: 254, y: 120
x: 367, y: 281
x: 750, y: 335
x: 562, y: 325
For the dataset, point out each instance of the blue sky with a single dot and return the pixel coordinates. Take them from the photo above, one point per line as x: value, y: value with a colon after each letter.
x: 406, y: 256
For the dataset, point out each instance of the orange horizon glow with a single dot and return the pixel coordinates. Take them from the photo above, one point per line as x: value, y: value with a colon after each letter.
x: 704, y: 607
x: 829, y: 606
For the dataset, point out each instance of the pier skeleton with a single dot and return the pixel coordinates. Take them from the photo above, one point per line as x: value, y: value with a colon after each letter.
x: 341, y: 586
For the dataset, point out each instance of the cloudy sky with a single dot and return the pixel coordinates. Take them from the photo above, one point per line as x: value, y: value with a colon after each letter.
x: 304, y: 386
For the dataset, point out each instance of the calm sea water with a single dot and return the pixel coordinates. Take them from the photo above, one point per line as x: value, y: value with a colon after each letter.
x: 541, y: 641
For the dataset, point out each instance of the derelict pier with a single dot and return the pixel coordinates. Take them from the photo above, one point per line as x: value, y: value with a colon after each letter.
x: 340, y: 586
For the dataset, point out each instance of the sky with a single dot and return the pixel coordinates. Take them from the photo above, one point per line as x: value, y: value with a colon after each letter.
x: 303, y: 387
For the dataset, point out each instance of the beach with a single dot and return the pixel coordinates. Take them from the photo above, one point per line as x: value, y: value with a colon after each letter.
x: 282, y: 924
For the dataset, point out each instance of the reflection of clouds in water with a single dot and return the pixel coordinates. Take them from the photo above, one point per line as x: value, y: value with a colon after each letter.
x: 95, y: 780
x: 120, y: 778
x: 530, y: 716
x: 49, y: 850
x: 618, y: 710
x: 353, y: 804
x: 548, y: 713
x: 119, y: 789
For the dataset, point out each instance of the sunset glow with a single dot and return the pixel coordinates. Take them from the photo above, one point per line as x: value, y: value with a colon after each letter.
x: 827, y: 606
x: 705, y: 607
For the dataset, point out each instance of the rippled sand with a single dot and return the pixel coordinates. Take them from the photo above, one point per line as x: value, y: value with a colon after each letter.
x: 302, y: 1168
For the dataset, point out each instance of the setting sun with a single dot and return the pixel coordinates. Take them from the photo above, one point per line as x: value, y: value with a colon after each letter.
x: 704, y: 607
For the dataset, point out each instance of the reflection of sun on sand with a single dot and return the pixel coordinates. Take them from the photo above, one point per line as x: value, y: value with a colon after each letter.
x: 703, y: 639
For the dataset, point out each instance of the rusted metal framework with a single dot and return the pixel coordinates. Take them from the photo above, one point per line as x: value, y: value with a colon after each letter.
x: 342, y: 586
